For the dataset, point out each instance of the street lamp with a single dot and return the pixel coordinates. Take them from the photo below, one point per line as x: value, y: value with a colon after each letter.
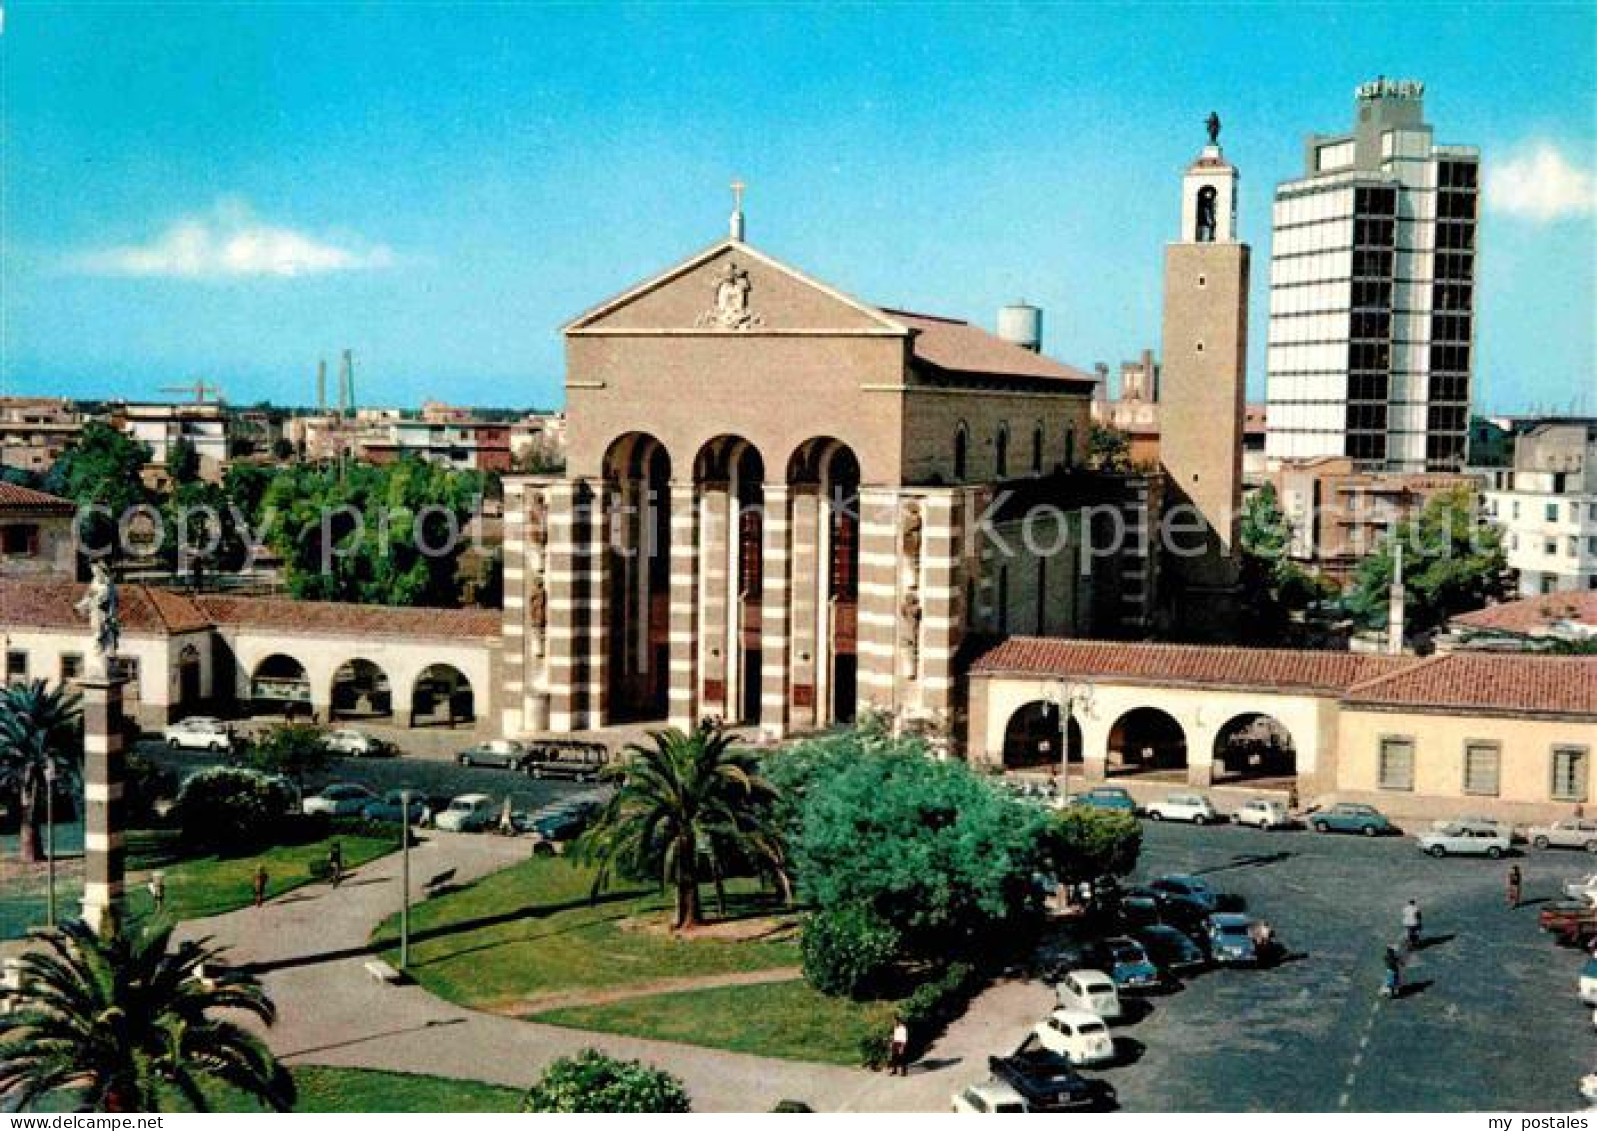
x: 404, y: 878
x: 1066, y: 697
x: 49, y: 843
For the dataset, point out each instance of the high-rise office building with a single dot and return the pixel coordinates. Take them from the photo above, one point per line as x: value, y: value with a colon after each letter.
x: 1372, y: 293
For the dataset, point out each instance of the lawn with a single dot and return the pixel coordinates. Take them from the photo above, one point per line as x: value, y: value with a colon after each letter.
x: 531, y: 930
x: 356, y: 1090
x: 782, y: 1019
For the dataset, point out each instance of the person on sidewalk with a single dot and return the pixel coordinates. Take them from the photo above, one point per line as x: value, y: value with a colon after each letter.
x: 335, y: 863
x: 898, y: 1049
x: 157, y: 888
x: 261, y: 879
x: 1412, y: 923
x: 1393, y: 987
x: 1514, y: 883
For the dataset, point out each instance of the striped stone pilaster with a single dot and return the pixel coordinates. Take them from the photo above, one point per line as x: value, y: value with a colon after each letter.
x: 714, y: 588
x: 103, y: 820
x: 513, y: 624
x: 775, y: 613
x: 596, y: 597
x: 565, y: 560
x: 878, y: 599
x: 683, y: 693
x: 942, y: 598
x: 807, y: 599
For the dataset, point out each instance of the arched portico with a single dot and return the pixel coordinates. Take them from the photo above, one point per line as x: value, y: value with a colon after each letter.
x: 1147, y: 740
x: 1254, y: 745
x: 729, y: 476
x: 637, y: 485
x: 442, y: 696
x: 360, y: 690
x: 279, y: 682
x: 823, y: 482
x: 1033, y: 739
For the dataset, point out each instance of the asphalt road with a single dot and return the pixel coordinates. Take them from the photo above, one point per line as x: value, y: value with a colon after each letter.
x: 1492, y: 1021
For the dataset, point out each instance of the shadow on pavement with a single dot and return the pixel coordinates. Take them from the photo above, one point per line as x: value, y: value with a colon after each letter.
x: 441, y: 1022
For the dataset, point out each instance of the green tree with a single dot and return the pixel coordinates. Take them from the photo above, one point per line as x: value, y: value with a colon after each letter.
x: 102, y: 470
x: 937, y: 852
x: 225, y: 809
x: 40, y: 734
x: 124, y: 1023
x: 203, y: 534
x: 1085, y: 844
x: 687, y: 808
x: 1108, y: 449
x: 1273, y: 585
x: 1452, y: 563
x: 848, y: 952
x: 183, y: 461
x: 292, y: 750
x: 591, y: 1082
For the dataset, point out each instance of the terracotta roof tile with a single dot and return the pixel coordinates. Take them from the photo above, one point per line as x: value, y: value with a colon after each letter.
x: 50, y: 603
x: 1558, y: 685
x: 350, y: 620
x: 1532, y: 613
x: 959, y: 347
x: 13, y: 495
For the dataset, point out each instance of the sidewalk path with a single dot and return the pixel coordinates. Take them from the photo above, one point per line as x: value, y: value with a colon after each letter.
x: 309, y: 947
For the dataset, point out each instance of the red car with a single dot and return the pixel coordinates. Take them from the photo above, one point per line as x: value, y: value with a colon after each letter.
x: 1571, y: 923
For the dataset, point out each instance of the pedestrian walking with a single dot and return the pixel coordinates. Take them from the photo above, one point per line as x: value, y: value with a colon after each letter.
x: 1514, y: 882
x: 157, y: 886
x: 898, y: 1049
x: 1292, y: 798
x: 260, y: 884
x: 1412, y: 924
x: 1393, y: 986
x: 335, y: 863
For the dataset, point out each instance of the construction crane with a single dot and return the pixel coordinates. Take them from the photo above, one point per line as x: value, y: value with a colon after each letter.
x: 199, y: 391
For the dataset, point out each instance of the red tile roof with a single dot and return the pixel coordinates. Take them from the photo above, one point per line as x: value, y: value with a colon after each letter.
x: 50, y: 603
x: 1182, y: 664
x: 958, y: 347
x: 1531, y: 613
x: 16, y: 497
x: 335, y: 618
x: 1554, y: 685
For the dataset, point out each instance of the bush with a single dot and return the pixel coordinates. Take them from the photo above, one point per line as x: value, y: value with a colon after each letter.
x: 875, y: 1050
x: 228, y: 810
x: 1086, y: 844
x: 848, y: 952
x: 593, y: 1082
x: 934, y: 1005
x: 144, y: 784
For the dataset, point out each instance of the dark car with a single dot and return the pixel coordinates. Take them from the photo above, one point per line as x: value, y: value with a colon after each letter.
x: 1350, y: 817
x: 1187, y: 889
x: 1047, y: 1081
x: 501, y: 753
x: 1111, y: 797
x: 1571, y: 922
x: 1171, y: 951
x: 578, y: 761
x: 1173, y: 907
x: 1129, y: 966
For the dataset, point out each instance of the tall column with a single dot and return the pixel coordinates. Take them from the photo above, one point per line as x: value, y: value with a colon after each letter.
x: 775, y: 610
x: 103, y: 820
x: 597, y: 598
x: 878, y: 600
x: 683, y: 695
x: 715, y: 585
x: 807, y: 596
x: 941, y: 595
x: 562, y: 650
x: 513, y: 626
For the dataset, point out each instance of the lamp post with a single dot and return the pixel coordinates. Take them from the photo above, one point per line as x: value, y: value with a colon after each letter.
x: 1067, y: 696
x: 49, y: 843
x: 404, y: 878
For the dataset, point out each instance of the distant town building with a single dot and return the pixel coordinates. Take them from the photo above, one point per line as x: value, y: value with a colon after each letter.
x: 1372, y: 294
x: 1530, y: 624
x: 462, y: 443
x: 35, y: 533
x: 205, y: 427
x: 1546, y: 505
x: 35, y: 431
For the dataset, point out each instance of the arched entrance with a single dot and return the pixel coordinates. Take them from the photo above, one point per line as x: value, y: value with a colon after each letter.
x: 1253, y: 746
x: 189, y: 683
x: 824, y: 477
x: 360, y: 691
x: 731, y: 476
x: 1032, y: 738
x: 279, y: 683
x: 1147, y: 740
x: 442, y: 696
x: 637, y: 479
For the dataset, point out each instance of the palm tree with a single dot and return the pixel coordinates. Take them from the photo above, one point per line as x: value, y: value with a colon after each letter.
x: 122, y: 1022
x: 686, y: 807
x: 39, y: 729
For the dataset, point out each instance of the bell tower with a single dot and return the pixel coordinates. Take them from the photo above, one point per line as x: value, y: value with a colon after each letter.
x: 1202, y: 395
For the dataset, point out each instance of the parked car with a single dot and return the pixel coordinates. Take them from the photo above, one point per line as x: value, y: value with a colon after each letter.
x: 1129, y: 966
x: 1572, y: 922
x: 1079, y: 1036
x: 1171, y: 951
x: 1576, y: 832
x: 390, y: 805
x: 468, y: 813
x: 578, y: 761
x: 1188, y: 889
x: 199, y: 732
x: 1263, y: 813
x: 1465, y: 840
x: 1145, y: 906
x: 358, y: 744
x: 1231, y: 939
x: 341, y: 799
x: 1047, y: 1081
x: 1350, y: 817
x: 1106, y: 797
x: 1587, y: 985
x: 1090, y: 990
x: 1192, y: 807
x: 990, y: 1097
x: 1584, y: 888
x: 555, y: 824
x: 504, y: 753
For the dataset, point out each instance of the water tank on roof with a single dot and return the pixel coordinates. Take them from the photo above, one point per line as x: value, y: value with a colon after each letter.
x: 1020, y: 324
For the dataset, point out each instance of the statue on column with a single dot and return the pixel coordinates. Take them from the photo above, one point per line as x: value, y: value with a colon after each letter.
x: 99, y: 603
x: 1212, y: 124
x: 537, y: 610
x: 910, y: 610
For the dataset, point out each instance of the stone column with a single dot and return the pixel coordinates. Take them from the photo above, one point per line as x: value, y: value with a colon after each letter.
x: 942, y: 598
x: 102, y: 790
x: 513, y: 713
x: 878, y: 600
x: 774, y: 614
x: 597, y: 598
x: 683, y: 695
x: 715, y: 589
x: 807, y: 595
x: 563, y: 563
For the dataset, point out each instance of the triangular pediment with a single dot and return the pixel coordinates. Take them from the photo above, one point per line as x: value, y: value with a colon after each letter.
x: 730, y: 288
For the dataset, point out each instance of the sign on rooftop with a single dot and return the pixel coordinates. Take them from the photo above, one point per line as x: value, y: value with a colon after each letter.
x: 1391, y: 88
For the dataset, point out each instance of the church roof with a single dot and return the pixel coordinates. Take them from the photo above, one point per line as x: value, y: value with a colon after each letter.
x: 955, y: 346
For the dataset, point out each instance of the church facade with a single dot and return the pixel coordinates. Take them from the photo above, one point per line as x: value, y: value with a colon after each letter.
x: 778, y: 507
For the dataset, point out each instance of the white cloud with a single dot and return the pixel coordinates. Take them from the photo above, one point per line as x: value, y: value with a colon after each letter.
x: 1540, y: 184
x: 230, y: 241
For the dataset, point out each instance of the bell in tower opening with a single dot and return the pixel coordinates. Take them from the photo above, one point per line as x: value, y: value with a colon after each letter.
x: 1205, y: 226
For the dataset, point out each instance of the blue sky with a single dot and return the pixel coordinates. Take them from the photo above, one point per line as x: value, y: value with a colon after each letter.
x: 455, y: 181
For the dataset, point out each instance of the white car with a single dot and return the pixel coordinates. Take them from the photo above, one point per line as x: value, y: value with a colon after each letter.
x: 1080, y: 1037
x: 354, y: 744
x: 991, y: 1097
x: 342, y: 799
x: 1587, y: 985
x: 1090, y: 991
x: 199, y: 732
x: 467, y: 813
x: 1192, y: 807
x: 1466, y: 840
x: 1577, y: 832
x: 1583, y: 888
x: 1263, y: 813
